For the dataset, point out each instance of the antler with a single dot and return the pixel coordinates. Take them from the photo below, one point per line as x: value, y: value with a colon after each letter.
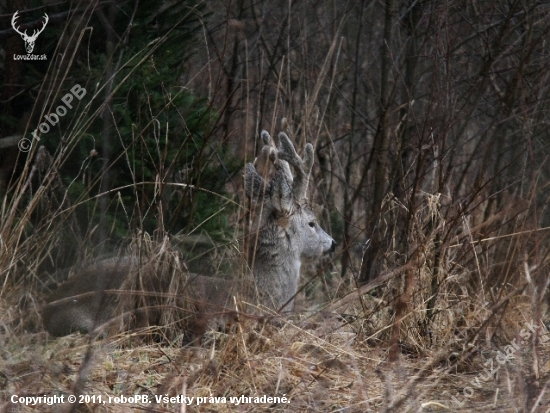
x: 286, y: 155
x: 13, y: 19
x: 47, y: 19
x: 272, y: 152
x: 35, y: 32
x: 284, y: 189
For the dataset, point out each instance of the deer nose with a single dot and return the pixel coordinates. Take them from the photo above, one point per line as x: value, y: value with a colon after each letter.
x: 333, y: 246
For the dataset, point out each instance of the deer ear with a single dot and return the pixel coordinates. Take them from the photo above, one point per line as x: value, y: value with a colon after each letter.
x: 255, y: 187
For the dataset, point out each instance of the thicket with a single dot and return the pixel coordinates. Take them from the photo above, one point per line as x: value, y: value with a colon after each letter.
x: 138, y: 153
x: 429, y: 125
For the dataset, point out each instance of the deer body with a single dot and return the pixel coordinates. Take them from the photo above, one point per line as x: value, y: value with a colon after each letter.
x: 278, y: 257
x: 286, y: 234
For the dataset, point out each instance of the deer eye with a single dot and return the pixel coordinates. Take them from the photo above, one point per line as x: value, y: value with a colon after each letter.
x: 311, y: 224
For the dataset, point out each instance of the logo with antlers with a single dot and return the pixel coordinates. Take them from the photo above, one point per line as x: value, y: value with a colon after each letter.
x: 29, y: 40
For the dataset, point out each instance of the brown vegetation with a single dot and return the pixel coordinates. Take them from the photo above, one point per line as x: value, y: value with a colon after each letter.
x: 428, y: 121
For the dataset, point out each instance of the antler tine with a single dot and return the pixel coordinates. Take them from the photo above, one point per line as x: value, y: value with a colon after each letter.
x: 269, y: 150
x: 46, y: 20
x: 13, y: 23
x: 36, y: 32
x: 273, y: 153
x: 288, y: 153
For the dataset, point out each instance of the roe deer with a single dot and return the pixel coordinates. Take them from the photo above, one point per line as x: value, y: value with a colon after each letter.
x: 286, y: 233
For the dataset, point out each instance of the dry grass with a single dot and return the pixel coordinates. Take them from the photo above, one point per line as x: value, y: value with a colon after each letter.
x: 331, y: 357
x: 319, y: 361
x: 464, y: 283
x: 319, y: 366
x: 334, y: 356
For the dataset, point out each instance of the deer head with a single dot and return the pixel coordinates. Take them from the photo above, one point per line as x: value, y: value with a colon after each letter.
x: 29, y: 40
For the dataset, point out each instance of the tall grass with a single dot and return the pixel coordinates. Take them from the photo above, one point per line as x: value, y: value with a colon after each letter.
x: 432, y: 178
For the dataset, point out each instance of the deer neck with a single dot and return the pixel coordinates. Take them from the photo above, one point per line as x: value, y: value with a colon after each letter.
x: 276, y: 273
